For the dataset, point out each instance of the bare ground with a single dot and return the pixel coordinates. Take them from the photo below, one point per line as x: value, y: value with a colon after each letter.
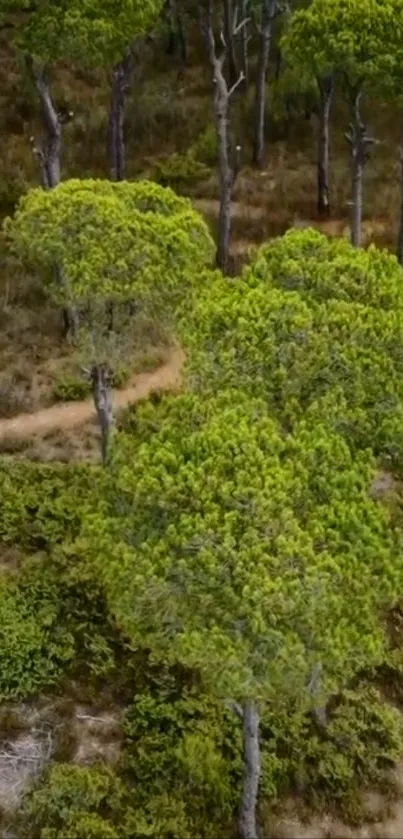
x: 72, y: 414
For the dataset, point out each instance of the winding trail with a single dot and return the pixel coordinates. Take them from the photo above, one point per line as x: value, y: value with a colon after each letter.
x: 70, y: 414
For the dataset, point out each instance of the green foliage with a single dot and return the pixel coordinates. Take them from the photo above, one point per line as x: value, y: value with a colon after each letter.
x: 361, y: 39
x: 179, y: 740
x: 311, y: 326
x: 250, y: 556
x: 70, y: 388
x: 124, y: 250
x: 38, y: 503
x: 362, y: 743
x: 85, y: 32
x: 205, y: 148
x: 74, y: 801
x: 323, y: 269
x: 34, y: 647
x: 180, y: 170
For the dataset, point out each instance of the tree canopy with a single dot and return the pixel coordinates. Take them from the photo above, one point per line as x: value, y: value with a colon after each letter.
x: 113, y: 241
x: 86, y: 32
x: 216, y: 544
x: 312, y: 326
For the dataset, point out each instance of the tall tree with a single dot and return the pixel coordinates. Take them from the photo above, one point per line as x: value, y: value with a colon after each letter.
x: 126, y: 250
x: 268, y: 12
x: 244, y: 555
x: 355, y: 40
x: 227, y: 157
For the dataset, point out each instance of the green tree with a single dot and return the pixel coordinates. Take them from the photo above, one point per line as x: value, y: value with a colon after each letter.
x: 312, y: 326
x: 126, y: 250
x: 359, y: 41
x: 92, y: 34
x: 256, y: 559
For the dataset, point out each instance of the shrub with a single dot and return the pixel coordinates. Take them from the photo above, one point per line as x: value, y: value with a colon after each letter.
x: 76, y: 801
x: 39, y: 503
x: 34, y: 647
x: 180, y: 170
x: 70, y: 388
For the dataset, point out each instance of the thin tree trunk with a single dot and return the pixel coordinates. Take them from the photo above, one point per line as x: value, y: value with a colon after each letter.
x: 269, y: 8
x: 247, y: 821
x: 176, y: 39
x: 101, y: 392
x: 360, y: 144
x: 49, y: 157
x: 222, y: 97
x: 400, y: 236
x: 245, y: 9
x: 229, y: 41
x: 120, y: 85
x: 326, y: 89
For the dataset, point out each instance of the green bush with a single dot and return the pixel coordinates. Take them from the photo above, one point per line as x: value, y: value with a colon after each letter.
x: 70, y: 388
x: 42, y: 505
x: 76, y: 801
x: 34, y: 646
x: 205, y: 148
x: 180, y: 170
x: 182, y: 751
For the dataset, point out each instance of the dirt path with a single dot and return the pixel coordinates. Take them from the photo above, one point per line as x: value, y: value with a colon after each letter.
x: 71, y: 414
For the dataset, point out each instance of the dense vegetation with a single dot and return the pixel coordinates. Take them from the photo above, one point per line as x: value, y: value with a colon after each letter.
x: 226, y: 582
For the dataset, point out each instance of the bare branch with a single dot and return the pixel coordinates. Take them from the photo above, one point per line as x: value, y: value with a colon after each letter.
x: 237, y: 83
x: 241, y: 25
x: 235, y: 707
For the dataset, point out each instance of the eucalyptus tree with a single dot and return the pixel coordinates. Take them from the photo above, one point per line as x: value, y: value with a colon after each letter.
x: 356, y: 41
x: 125, y: 250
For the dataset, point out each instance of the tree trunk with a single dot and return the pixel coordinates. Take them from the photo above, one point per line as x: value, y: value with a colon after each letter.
x: 229, y: 41
x: 400, y: 236
x: 176, y: 39
x: 326, y: 89
x: 245, y: 10
x: 49, y: 157
x: 50, y: 153
x: 360, y: 144
x: 247, y: 821
x: 222, y: 97
x: 101, y: 393
x: 120, y: 85
x: 269, y: 8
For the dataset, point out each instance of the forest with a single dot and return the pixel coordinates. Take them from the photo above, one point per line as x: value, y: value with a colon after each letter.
x: 201, y: 419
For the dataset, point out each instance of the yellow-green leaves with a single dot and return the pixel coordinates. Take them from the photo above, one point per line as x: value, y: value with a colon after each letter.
x: 241, y: 552
x: 313, y: 326
x: 114, y: 243
x: 92, y: 32
x: 359, y: 38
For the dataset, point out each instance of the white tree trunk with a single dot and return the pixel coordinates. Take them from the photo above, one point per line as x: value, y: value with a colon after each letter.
x: 247, y: 821
x: 269, y: 8
x: 326, y: 89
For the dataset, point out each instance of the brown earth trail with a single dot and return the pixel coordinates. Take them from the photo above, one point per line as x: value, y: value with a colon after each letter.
x: 70, y: 414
